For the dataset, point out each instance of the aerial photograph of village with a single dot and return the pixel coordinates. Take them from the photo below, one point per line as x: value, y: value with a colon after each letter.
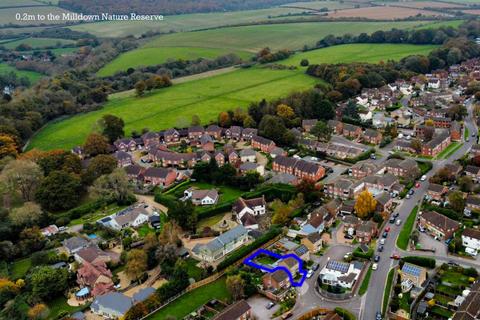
x: 239, y: 159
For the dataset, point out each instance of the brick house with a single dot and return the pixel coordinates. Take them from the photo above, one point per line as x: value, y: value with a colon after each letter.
x: 456, y: 131
x: 473, y: 172
x: 384, y: 202
x: 472, y: 203
x: 133, y: 171
x: 276, y: 280
x: 220, y: 158
x: 159, y: 176
x: 234, y: 132
x: 402, y: 168
x: 299, y: 168
x: 362, y: 169
x: 438, y: 225
x: 248, y: 133
x: 206, y: 143
x: 436, y: 191
x: 195, y: 133
x: 365, y: 231
x: 439, y: 142
x: 372, y: 136
x: 351, y: 131
x: 214, y: 131
x: 150, y: 139
x: 123, y: 158
x: 237, y: 311
x: 313, y: 242
x: 441, y: 122
x: 171, y: 136
x: 308, y: 124
x: 340, y: 188
x: 264, y: 144
x: 475, y: 150
x: 173, y: 159
x: 336, y: 126
x: 125, y: 144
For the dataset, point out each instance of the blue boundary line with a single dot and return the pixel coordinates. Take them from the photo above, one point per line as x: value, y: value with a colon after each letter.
x: 249, y: 261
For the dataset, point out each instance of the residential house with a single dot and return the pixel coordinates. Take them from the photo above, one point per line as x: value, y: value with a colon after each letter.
x: 470, y: 308
x: 248, y: 155
x: 475, y: 150
x: 214, y: 131
x: 246, y: 211
x: 240, y: 310
x: 130, y: 217
x: 453, y: 168
x: 195, y: 133
x: 456, y: 131
x: 277, y: 151
x: 365, y: 231
x: 313, y: 242
x: 308, y: 124
x: 362, y: 169
x: 159, y: 176
x: 264, y: 144
x: 336, y: 126
x: 471, y: 241
x: 133, y: 171
x: 113, y: 305
x: 234, y: 132
x: 412, y: 276
x: 171, y: 136
x: 96, y: 277
x: 251, y: 166
x: 233, y: 157
x: 221, y: 245
x: 372, y: 136
x: 299, y: 168
x: 291, y: 264
x: 302, y: 252
x: 74, y: 244
x: 173, y: 159
x: 351, y: 131
x: 207, y: 143
x: 125, y: 144
x: 249, y: 133
x: 49, y: 231
x: 473, y: 172
x: 472, y: 203
x: 276, y: 280
x: 376, y: 184
x: 402, y: 168
x: 219, y: 158
x: 438, y: 225
x: 150, y: 138
x: 340, y: 188
x: 438, y: 143
x: 315, y: 222
x: 338, y: 273
x: 436, y: 191
x: 384, y: 202
x: 201, y: 197
x: 123, y: 158
x: 92, y: 254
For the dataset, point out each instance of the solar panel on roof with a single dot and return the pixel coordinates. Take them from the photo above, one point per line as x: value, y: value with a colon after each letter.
x: 411, y: 269
x: 338, y: 266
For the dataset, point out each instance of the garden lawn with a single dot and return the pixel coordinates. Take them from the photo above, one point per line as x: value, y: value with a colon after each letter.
x: 31, y: 75
x: 19, y: 268
x: 189, y: 302
x: 144, y: 230
x: 404, y: 236
x: 210, y: 221
x: 448, y: 151
x: 359, y: 52
x: 94, y: 216
x: 59, y: 305
x: 243, y: 40
x: 365, y: 282
x: 175, y: 106
x: 386, y: 293
x: 193, y: 271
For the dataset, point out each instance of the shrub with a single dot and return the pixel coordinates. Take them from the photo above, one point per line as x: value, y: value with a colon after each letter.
x: 344, y: 314
x: 304, y: 63
x: 166, y: 200
x: 420, y: 261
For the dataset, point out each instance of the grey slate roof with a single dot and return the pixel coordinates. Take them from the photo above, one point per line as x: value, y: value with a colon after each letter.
x: 143, y: 294
x: 112, y: 301
x: 223, y: 239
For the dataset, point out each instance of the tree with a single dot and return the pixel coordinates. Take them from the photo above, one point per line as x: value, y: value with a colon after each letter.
x: 272, y: 127
x: 285, y: 112
x: 140, y: 87
x: 304, y: 63
x: 166, y: 257
x: 38, y: 311
x: 98, y: 166
x: 465, y: 183
x: 365, y: 204
x: 428, y: 133
x: 456, y: 200
x: 195, y: 120
x: 429, y: 123
x: 322, y: 131
x: 248, y: 122
x: 60, y: 190
x: 136, y: 263
x: 23, y: 176
x: 114, y: 186
x: 8, y: 146
x: 224, y: 119
x: 416, y: 145
x: 112, y: 127
x: 281, y: 214
x: 170, y: 234
x: 48, y: 282
x: 235, y: 285
x: 96, y: 144
x: 28, y: 214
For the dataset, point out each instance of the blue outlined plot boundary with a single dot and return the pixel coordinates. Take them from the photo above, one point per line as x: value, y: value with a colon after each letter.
x: 249, y: 261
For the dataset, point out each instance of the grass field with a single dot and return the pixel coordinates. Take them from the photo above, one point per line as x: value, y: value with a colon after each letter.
x: 31, y: 75
x: 362, y: 52
x: 7, y: 15
x: 175, y: 106
x: 37, y: 42
x: 403, y: 237
x: 244, y: 41
x: 193, y: 300
x: 317, y: 5
x: 9, y: 3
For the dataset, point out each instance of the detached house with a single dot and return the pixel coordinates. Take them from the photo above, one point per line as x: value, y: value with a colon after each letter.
x: 96, y: 277
x: 276, y: 280
x: 246, y: 211
x: 123, y: 158
x: 351, y: 131
x: 249, y: 133
x: 472, y: 203
x: 340, y: 273
x: 340, y: 188
x: 150, y: 139
x: 248, y: 155
x: 195, y: 133
x: 127, y: 218
x: 234, y: 132
x: 436, y: 191
x: 237, y: 311
x: 438, y: 225
x: 308, y: 124
x: 473, y: 172
x: 171, y: 136
x: 336, y: 126
x: 159, y: 176
x: 471, y: 241
x: 201, y: 197
x: 221, y: 245
x: 372, y: 136
x: 264, y: 144
x: 313, y: 242
x: 214, y: 131
x: 412, y: 275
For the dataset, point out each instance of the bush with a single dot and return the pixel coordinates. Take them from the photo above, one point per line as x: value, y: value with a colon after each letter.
x: 90, y: 207
x: 420, y: 261
x: 452, y: 214
x: 344, y: 314
x: 304, y: 63
x: 243, y: 251
x: 166, y: 200
x: 363, y: 255
x: 210, y: 212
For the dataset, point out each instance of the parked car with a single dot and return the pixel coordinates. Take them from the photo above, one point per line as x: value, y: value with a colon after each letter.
x: 287, y: 315
x: 392, y: 220
x: 347, y: 236
x: 395, y: 256
x: 399, y: 222
x: 396, y: 214
x: 423, y: 178
x: 374, y: 266
x: 385, y: 234
x: 411, y: 192
x: 382, y: 241
x: 378, y: 316
x: 417, y: 185
x: 387, y: 229
x: 309, y: 274
x: 315, y: 266
x: 380, y: 248
x: 376, y: 258
x: 270, y: 305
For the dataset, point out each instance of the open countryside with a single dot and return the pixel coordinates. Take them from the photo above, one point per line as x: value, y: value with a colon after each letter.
x: 245, y: 41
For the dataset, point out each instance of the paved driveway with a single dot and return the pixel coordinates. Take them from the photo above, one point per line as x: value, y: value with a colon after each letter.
x: 428, y: 242
x: 258, y: 304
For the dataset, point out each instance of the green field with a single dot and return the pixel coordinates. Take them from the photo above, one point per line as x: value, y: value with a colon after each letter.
x: 245, y: 40
x: 193, y: 300
x: 37, y: 42
x: 31, y: 75
x: 9, y: 3
x: 8, y: 15
x: 175, y: 106
x: 317, y: 5
x: 363, y: 52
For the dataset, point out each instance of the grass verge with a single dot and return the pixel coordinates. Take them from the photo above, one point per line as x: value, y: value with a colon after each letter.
x: 403, y: 237
x: 366, y: 281
x: 386, y: 293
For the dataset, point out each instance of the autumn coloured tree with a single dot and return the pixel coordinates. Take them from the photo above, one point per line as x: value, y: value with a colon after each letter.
x: 8, y: 146
x: 236, y: 286
x: 365, y: 204
x: 136, y: 263
x: 224, y: 119
x: 96, y: 144
x: 285, y: 112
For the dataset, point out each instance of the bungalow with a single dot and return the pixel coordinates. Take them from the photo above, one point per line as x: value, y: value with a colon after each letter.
x: 240, y: 310
x: 308, y: 124
x: 276, y: 280
x: 248, y: 155
x: 74, y: 244
x: 112, y: 305
x: 248, y: 133
x: 159, y: 176
x: 127, y: 218
x: 471, y: 241
x: 264, y: 144
x: 313, y: 242
x: 336, y: 126
x: 195, y: 133
x: 338, y: 273
x: 436, y: 191
x: 438, y: 225
x: 234, y: 132
x: 125, y: 144
x: 201, y: 197
x: 221, y: 245
x: 473, y: 172
x: 92, y: 254
x: 171, y: 136
x: 214, y: 131
x: 372, y: 136
x: 351, y: 131
x: 123, y: 158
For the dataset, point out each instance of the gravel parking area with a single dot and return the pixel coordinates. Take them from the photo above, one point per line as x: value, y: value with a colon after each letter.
x: 259, y: 310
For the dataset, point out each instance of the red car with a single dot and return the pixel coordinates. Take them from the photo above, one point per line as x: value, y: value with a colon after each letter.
x: 387, y: 229
x: 417, y: 185
x: 396, y: 256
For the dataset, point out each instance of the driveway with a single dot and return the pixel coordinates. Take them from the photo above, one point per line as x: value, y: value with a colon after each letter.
x: 259, y: 310
x: 428, y: 242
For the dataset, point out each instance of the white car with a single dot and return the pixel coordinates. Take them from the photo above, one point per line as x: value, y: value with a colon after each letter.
x: 398, y: 222
x: 309, y: 274
x: 374, y: 266
x: 423, y: 178
x: 382, y: 241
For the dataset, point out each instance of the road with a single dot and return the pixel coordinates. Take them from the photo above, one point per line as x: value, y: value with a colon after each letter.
x: 372, y: 301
